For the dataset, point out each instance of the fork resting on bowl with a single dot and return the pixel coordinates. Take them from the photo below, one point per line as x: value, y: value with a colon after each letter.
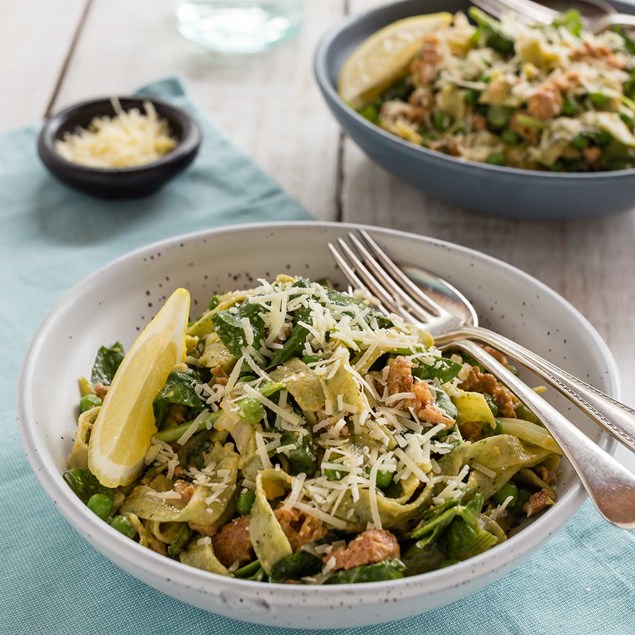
x: 453, y: 322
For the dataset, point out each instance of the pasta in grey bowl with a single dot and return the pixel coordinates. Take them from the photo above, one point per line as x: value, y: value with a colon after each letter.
x: 282, y: 424
x: 446, y: 130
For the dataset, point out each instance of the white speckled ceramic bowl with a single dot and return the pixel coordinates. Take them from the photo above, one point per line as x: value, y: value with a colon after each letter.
x: 115, y: 302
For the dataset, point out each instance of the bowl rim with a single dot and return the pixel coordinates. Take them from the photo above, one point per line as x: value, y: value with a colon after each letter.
x: 104, y: 538
x: 190, y: 141
x: 322, y: 75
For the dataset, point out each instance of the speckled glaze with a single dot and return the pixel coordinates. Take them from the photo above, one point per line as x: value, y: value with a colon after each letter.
x: 119, y: 299
x: 488, y: 189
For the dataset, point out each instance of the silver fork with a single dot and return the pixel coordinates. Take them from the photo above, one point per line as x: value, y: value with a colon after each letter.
x: 367, y: 267
x: 529, y: 12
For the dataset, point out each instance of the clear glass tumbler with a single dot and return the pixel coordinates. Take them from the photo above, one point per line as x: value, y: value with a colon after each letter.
x: 238, y: 26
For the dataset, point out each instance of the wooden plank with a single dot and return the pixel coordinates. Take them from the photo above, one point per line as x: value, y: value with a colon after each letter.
x: 36, y: 36
x: 268, y: 104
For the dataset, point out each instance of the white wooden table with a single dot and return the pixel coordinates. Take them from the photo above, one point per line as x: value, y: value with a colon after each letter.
x: 56, y: 53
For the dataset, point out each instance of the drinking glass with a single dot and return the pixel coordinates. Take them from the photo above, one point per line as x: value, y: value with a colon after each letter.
x: 238, y: 26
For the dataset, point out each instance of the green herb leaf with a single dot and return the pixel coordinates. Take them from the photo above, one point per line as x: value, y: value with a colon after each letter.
x: 294, y: 567
x: 295, y: 343
x: 570, y: 20
x: 441, y: 368
x: 229, y: 327
x: 179, y: 390
x: 106, y: 364
x: 386, y: 570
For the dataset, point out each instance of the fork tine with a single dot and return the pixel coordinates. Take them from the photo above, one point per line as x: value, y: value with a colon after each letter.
x: 352, y: 277
x: 401, y: 278
x: 371, y: 283
x: 381, y: 277
x: 497, y: 8
x: 534, y: 10
x: 489, y: 6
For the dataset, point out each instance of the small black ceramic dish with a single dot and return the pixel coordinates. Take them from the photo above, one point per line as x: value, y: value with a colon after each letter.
x: 118, y: 182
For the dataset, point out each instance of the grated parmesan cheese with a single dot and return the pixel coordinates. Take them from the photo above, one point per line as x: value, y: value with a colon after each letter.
x: 129, y: 139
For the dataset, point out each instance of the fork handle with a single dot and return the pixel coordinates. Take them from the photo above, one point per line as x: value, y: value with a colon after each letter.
x: 616, y: 418
x: 609, y: 484
x: 611, y: 20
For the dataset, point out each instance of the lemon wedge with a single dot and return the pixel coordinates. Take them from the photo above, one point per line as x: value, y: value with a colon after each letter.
x: 124, y: 427
x: 384, y: 57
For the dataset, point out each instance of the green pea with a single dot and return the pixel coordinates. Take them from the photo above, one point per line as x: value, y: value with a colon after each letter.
x: 598, y: 100
x: 496, y: 158
x: 580, y: 142
x: 122, y: 525
x: 498, y: 116
x: 471, y: 97
x: 310, y: 359
x: 89, y: 401
x: 509, y: 489
x: 510, y: 137
x: 569, y: 108
x: 441, y: 120
x: 488, y: 431
x: 383, y: 479
x: 245, y: 502
x: 251, y: 410
x: 100, y: 504
x: 491, y: 403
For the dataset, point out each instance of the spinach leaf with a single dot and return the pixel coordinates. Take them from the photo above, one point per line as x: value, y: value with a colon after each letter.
x: 441, y: 368
x: 462, y: 530
x: 464, y: 537
x: 84, y: 483
x: 295, y: 343
x: 296, y: 566
x: 195, y: 452
x: 386, y: 570
x: 179, y: 390
x: 106, y: 364
x: 445, y: 403
x: 435, y: 520
x: 493, y: 32
x: 570, y: 20
x: 421, y: 559
x: 344, y: 300
x: 229, y: 328
x: 303, y: 457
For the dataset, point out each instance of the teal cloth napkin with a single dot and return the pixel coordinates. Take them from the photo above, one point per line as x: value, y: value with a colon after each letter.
x: 52, y: 581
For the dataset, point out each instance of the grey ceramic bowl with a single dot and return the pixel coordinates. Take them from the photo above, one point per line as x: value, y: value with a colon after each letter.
x: 118, y: 182
x: 507, y: 192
